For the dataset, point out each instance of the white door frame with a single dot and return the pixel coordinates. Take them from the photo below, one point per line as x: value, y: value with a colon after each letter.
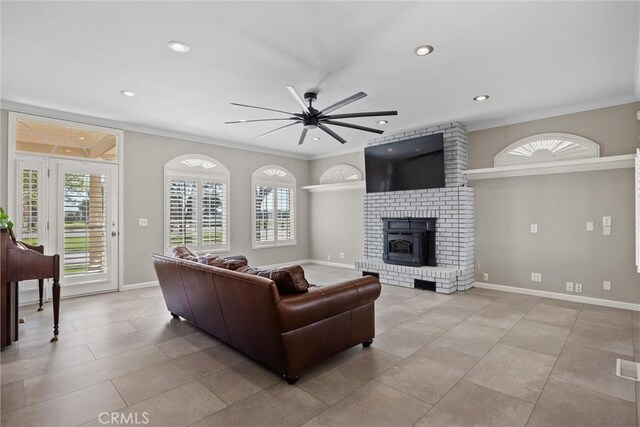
x: 11, y: 171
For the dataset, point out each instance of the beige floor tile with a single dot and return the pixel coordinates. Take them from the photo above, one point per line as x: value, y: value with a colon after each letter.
x: 561, y: 303
x: 131, y: 341
x: 143, y: 384
x: 616, y: 340
x: 469, y: 301
x: 240, y: 381
x: 552, y: 315
x: 71, y: 409
x: 10, y: 354
x: 75, y: 339
x: 406, y: 338
x: 606, y: 316
x: 106, y: 318
x: 278, y: 405
x: 43, y: 333
x: 47, y: 386
x: 470, y: 405
x: 483, y: 292
x: 12, y: 397
x: 392, y: 316
x: 187, y: 344
x: 163, y: 319
x: 443, y: 317
x: 337, y: 383
x: 373, y: 405
x: 594, y: 370
x: 212, y: 360
x: 523, y: 302
x: 471, y: 338
x: 429, y: 373
x: 49, y: 362
x: 535, y: 336
x: 513, y: 371
x: 499, y: 316
x: 562, y: 404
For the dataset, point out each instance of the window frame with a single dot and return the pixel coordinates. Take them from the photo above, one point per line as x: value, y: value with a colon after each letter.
x: 287, y: 182
x: 174, y: 170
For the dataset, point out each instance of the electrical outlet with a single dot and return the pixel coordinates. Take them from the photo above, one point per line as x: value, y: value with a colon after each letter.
x: 606, y: 230
x: 534, y: 228
x: 485, y: 277
x: 606, y: 220
x: 589, y: 225
x: 143, y: 222
x: 569, y: 286
x: 606, y: 285
x: 328, y: 257
x: 578, y: 288
x: 536, y: 277
x: 341, y: 255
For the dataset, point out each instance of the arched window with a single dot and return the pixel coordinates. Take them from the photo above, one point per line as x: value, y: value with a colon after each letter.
x: 340, y: 173
x: 274, y: 208
x: 547, y: 147
x: 196, y: 203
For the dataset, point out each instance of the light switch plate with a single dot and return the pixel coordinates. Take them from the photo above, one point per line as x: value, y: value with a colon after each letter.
x: 569, y: 286
x: 606, y: 285
x: 578, y: 288
x: 143, y: 222
x: 534, y: 228
x: 606, y: 220
x: 606, y: 230
x: 589, y: 225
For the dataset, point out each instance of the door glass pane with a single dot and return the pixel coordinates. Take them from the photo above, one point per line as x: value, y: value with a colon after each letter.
x: 85, y: 224
x: 46, y: 137
x: 264, y: 214
x: 213, y: 214
x: 183, y: 212
x: 29, y: 207
x: 285, y: 218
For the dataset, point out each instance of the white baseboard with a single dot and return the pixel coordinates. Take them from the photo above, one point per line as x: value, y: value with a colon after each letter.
x: 331, y: 264
x: 133, y: 286
x: 557, y: 295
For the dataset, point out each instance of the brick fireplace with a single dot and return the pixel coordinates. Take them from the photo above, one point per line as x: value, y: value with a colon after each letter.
x: 451, y: 205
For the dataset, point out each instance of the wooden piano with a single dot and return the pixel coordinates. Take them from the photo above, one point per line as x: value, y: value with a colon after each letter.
x: 18, y: 262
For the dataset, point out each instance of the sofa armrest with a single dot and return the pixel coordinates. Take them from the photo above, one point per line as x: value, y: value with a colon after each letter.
x: 321, y: 302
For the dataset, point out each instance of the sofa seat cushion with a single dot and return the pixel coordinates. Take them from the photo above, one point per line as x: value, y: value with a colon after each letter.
x: 289, y: 279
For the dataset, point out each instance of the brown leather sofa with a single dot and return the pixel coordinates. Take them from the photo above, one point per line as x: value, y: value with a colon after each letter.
x: 288, y: 332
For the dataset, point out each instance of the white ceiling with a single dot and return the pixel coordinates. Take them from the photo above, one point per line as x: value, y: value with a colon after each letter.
x: 529, y: 57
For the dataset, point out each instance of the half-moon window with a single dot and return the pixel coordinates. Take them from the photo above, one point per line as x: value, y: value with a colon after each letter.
x: 340, y: 173
x: 547, y: 147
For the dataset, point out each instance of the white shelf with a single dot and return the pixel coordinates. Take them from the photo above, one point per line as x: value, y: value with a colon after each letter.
x: 338, y: 186
x: 567, y: 166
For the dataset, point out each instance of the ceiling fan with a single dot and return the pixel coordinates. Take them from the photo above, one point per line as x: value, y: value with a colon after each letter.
x: 311, y: 118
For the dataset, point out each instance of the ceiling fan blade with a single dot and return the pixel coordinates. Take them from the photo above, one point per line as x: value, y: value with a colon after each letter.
x: 344, y: 102
x: 367, y: 114
x: 332, y: 133
x: 262, y: 108
x: 299, y: 100
x: 302, y: 136
x: 276, y: 129
x: 261, y: 120
x: 352, y: 126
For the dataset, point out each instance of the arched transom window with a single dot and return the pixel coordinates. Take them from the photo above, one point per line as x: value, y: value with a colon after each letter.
x: 547, y: 147
x: 196, y: 203
x: 274, y: 208
x: 340, y: 173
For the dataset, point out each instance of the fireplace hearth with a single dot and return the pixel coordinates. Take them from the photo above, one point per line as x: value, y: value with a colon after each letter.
x: 409, y: 241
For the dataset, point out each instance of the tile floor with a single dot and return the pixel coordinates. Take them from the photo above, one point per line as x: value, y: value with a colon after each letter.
x: 481, y: 357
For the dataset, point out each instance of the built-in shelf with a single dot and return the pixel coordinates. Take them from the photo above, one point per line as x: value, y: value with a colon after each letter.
x: 338, y: 186
x: 567, y: 166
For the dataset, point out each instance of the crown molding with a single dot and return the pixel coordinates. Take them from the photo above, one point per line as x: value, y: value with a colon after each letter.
x: 553, y: 112
x: 63, y: 115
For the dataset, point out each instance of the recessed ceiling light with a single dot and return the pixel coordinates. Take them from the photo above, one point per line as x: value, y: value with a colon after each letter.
x: 390, y: 150
x: 81, y: 138
x: 128, y: 93
x: 179, y: 47
x: 316, y: 138
x: 481, y: 98
x: 424, y: 50
x: 67, y: 151
x: 382, y: 122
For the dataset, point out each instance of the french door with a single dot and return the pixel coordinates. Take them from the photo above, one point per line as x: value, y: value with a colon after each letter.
x: 70, y: 207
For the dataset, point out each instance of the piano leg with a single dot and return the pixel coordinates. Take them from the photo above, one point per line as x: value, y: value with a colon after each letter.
x: 40, y: 292
x: 56, y: 308
x: 14, y: 290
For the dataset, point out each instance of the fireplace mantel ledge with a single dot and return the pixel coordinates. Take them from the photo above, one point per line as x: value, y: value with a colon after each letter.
x: 338, y: 186
x: 378, y: 264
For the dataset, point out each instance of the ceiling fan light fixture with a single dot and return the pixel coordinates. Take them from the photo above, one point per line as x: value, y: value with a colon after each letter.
x: 424, y: 50
x: 480, y: 98
x: 382, y: 122
x: 178, y: 47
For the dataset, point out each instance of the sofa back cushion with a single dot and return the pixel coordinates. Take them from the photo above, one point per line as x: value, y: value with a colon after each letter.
x: 183, y: 252
x: 289, y: 279
x: 232, y: 263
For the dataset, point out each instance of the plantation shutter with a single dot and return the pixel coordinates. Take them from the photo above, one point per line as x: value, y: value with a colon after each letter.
x: 28, y: 224
x: 213, y: 214
x: 638, y: 209
x: 264, y: 214
x: 285, y: 209
x: 183, y: 212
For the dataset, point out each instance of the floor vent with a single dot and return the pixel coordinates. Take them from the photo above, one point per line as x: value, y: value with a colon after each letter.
x: 628, y: 369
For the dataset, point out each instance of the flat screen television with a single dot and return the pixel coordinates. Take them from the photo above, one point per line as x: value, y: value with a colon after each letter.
x: 411, y: 164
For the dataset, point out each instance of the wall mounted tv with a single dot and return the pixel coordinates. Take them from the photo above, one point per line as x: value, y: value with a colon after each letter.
x: 411, y: 164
